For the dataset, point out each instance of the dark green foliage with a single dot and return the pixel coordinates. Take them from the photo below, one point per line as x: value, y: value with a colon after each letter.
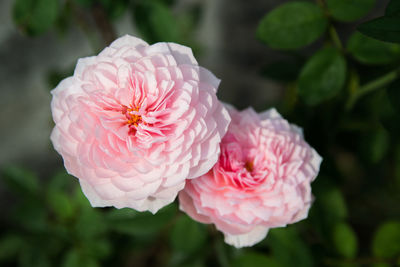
x: 288, y: 248
x: 322, y: 77
x: 187, y: 236
x: 155, y: 21
x: 284, y: 71
x: 349, y: 10
x: 345, y: 240
x: 35, y: 16
x: 292, y: 25
x: 371, y: 51
x: 393, y: 92
x: 386, y: 243
x: 385, y: 28
x: 255, y: 259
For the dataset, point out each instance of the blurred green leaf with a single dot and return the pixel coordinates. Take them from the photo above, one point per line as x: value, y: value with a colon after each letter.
x: 21, y: 181
x: 221, y: 249
x: 33, y: 257
x: 375, y: 144
x: 90, y: 224
x: 31, y: 215
x: 393, y: 8
x: 75, y: 258
x: 285, y: 71
x: 386, y: 29
x: 345, y: 240
x: 35, y: 16
x: 114, y: 8
x: 155, y: 22
x: 333, y: 204
x: 61, y: 181
x: 10, y: 246
x: 292, y: 25
x: 386, y: 242
x: 60, y: 204
x: 187, y: 235
x: 128, y: 221
x: 322, y: 77
x: 99, y: 249
x: 349, y: 10
x: 288, y: 249
x: 85, y: 3
x: 393, y: 92
x: 371, y: 51
x: 254, y: 259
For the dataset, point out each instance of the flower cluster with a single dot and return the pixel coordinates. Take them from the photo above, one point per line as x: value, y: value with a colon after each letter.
x: 139, y: 123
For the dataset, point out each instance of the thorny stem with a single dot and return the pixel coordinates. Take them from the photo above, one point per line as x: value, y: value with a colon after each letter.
x: 372, y: 86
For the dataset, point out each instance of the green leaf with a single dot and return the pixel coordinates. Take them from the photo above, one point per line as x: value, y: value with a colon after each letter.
x: 386, y: 29
x: 10, y: 246
x: 375, y: 144
x: 90, y: 224
x: 322, y: 77
x: 35, y: 16
x: 254, y: 259
x: 84, y: 3
x: 286, y: 71
x: 349, y: 10
x: 371, y: 51
x: 333, y: 203
x: 288, y: 249
x: 393, y: 9
x: 75, y: 258
x: 292, y: 25
x: 115, y: 8
x: 33, y: 257
x: 21, y: 181
x: 386, y: 242
x: 60, y: 203
x: 31, y: 215
x: 155, y: 22
x: 128, y: 221
x: 345, y: 240
x: 187, y: 235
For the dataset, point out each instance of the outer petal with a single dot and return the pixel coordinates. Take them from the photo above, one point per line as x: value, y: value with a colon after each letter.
x: 248, y: 239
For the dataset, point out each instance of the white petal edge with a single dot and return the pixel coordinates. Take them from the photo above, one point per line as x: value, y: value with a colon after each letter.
x: 182, y: 54
x: 248, y: 239
x: 128, y: 40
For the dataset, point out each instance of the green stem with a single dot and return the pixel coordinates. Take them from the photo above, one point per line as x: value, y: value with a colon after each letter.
x: 372, y: 86
x: 335, y: 37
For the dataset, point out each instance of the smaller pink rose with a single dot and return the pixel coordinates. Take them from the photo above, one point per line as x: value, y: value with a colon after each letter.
x: 261, y: 180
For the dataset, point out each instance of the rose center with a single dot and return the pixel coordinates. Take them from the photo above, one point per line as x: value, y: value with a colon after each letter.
x: 133, y: 118
x: 249, y: 165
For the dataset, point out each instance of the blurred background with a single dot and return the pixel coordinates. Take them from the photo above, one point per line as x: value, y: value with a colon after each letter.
x: 305, y: 58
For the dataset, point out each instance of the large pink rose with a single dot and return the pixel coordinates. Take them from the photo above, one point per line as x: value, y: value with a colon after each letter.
x: 135, y: 121
x: 262, y: 179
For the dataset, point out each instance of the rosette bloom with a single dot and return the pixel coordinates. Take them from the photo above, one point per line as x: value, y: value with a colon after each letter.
x: 134, y: 122
x: 261, y: 180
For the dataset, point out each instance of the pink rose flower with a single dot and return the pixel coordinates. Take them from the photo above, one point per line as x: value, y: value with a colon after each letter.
x: 134, y: 122
x: 261, y: 180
